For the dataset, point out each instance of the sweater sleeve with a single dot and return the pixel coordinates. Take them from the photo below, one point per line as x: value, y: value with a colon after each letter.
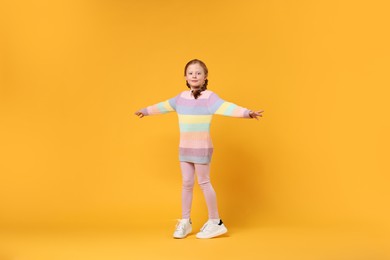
x: 160, y: 108
x: 219, y: 106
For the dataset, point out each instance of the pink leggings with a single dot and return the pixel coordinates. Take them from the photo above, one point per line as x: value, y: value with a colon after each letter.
x: 203, y: 174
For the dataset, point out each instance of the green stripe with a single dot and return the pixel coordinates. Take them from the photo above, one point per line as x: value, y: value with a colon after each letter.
x: 194, y: 127
x: 229, y: 110
x: 161, y: 107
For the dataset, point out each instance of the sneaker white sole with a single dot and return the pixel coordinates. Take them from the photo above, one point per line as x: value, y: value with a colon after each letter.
x: 221, y: 232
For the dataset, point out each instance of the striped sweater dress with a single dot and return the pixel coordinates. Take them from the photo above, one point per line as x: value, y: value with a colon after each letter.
x: 194, y: 121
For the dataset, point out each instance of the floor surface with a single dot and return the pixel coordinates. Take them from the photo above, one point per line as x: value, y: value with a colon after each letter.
x: 156, y: 242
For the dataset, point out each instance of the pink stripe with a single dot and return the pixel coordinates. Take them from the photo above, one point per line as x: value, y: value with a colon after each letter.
x: 196, y: 143
x: 206, y: 94
x: 238, y: 112
x: 195, y: 152
x: 187, y: 95
x: 194, y: 135
x: 153, y: 110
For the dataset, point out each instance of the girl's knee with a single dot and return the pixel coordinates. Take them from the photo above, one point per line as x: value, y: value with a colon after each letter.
x: 188, y: 183
x: 204, y: 183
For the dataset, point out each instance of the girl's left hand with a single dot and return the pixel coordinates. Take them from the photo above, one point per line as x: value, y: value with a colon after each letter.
x: 139, y: 114
x: 255, y: 114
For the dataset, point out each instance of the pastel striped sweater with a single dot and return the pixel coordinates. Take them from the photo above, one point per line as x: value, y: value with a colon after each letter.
x: 194, y: 121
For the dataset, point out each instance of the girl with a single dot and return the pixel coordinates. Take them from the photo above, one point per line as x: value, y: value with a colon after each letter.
x: 195, y: 109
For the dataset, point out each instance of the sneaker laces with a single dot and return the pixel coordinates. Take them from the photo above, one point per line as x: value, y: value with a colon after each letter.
x: 208, y: 226
x: 180, y: 226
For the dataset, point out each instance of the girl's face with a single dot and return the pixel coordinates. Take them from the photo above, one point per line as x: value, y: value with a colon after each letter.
x: 195, y: 76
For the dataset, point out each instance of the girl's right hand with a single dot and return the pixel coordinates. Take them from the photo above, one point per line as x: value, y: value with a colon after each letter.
x: 140, y: 114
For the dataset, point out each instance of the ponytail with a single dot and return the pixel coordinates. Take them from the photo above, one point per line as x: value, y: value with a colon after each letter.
x: 197, y: 92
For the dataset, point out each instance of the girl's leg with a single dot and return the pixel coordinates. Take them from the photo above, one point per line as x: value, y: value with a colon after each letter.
x: 188, y: 174
x: 203, y: 174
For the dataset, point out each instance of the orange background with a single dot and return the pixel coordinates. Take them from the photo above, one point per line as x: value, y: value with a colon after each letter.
x: 72, y: 73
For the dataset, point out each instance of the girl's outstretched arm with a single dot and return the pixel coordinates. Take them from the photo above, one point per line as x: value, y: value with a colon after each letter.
x: 219, y: 106
x: 159, y: 108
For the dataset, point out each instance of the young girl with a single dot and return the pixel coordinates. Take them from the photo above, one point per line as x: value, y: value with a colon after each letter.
x: 195, y: 109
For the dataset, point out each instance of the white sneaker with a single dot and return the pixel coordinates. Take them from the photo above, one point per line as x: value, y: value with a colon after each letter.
x: 212, y: 229
x: 183, y: 228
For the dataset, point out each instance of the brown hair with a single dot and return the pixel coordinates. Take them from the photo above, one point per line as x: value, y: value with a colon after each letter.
x: 197, y: 92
